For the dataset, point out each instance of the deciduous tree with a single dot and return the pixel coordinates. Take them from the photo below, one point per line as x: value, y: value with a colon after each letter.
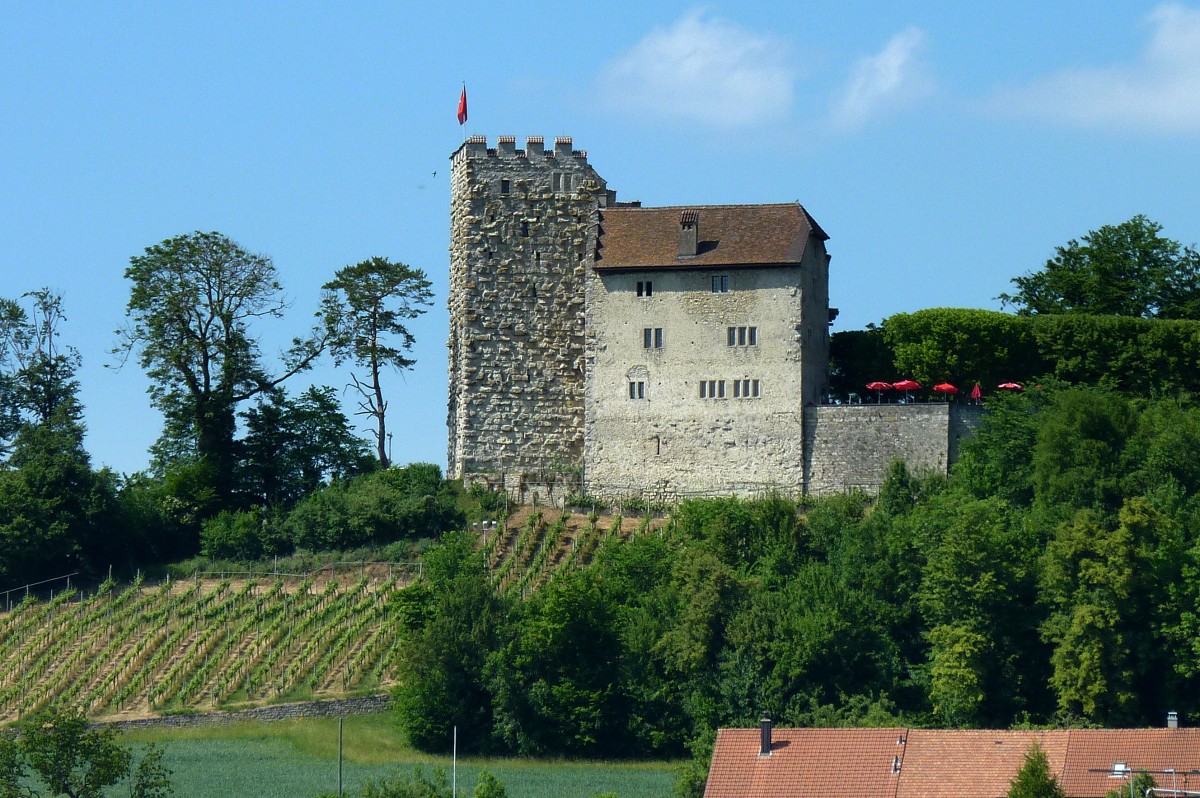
x: 192, y: 302
x: 1126, y: 269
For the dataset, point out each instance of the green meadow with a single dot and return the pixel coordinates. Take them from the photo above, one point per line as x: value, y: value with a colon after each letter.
x: 298, y: 759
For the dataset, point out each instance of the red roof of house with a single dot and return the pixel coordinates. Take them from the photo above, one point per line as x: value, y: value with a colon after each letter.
x: 729, y: 235
x: 933, y: 763
x: 823, y: 762
x: 957, y: 764
x: 1140, y: 749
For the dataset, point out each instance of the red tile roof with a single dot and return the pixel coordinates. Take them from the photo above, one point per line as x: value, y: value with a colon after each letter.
x: 1139, y: 749
x: 958, y: 764
x: 942, y: 763
x: 822, y: 762
x: 730, y: 235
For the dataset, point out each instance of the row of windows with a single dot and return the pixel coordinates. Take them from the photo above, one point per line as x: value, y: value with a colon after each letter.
x: 710, y: 389
x: 742, y: 389
x: 652, y: 337
x: 720, y: 285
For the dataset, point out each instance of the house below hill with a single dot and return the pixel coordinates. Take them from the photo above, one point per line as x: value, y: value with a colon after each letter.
x: 939, y: 763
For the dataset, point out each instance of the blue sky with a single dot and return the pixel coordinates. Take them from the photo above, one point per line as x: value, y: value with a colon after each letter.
x: 946, y: 147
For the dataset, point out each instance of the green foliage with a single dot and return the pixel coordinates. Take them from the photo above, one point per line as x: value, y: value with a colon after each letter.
x: 1034, y: 779
x: 1126, y: 269
x: 962, y: 347
x: 67, y: 758
x: 417, y: 784
x: 409, y: 502
x: 444, y: 660
x: 488, y: 786
x: 1136, y: 788
x: 294, y: 446
x: 193, y: 299
x: 857, y: 357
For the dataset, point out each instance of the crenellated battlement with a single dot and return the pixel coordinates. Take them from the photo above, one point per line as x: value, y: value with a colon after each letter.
x: 476, y: 147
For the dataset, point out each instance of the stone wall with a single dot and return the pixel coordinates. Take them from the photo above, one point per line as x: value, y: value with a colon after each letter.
x: 336, y: 708
x: 521, y: 236
x: 670, y: 441
x: 850, y: 447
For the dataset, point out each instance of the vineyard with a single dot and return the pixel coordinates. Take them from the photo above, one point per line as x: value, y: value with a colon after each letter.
x: 203, y: 644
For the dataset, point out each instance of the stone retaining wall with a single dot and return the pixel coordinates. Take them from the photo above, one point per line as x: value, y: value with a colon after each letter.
x: 365, y: 705
x: 850, y: 447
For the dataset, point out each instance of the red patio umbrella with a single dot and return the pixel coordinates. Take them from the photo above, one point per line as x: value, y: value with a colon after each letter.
x: 1010, y: 386
x: 945, y: 388
x: 879, y: 387
x: 906, y: 386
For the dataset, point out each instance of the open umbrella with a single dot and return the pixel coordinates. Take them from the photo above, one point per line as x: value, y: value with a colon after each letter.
x: 945, y: 388
x: 879, y: 387
x: 1010, y: 386
x: 906, y: 386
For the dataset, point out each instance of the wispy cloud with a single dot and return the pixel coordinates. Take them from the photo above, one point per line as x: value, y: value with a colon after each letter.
x: 704, y: 69
x: 1159, y: 91
x: 891, y: 79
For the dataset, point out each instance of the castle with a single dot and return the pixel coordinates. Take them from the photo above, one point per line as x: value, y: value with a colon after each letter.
x: 602, y: 347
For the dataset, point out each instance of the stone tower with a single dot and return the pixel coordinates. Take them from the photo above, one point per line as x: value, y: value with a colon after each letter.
x: 522, y: 236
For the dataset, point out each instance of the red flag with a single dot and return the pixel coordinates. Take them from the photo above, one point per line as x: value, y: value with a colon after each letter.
x: 462, y: 106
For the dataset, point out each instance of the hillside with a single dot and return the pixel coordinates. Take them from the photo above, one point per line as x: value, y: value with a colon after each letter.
x: 202, y: 644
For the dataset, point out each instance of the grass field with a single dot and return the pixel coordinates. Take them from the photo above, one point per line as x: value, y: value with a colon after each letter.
x: 298, y: 759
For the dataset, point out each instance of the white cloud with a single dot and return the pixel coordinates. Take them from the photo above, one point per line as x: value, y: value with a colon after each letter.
x: 894, y: 78
x: 704, y: 69
x: 1159, y: 91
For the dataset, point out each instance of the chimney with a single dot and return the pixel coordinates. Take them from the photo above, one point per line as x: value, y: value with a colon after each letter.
x: 1172, y: 720
x: 689, y: 233
x: 764, y: 747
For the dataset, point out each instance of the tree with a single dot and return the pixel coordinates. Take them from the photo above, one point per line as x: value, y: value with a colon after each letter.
x: 1123, y: 270
x: 192, y: 301
x: 294, y: 446
x: 58, y: 749
x: 1034, y: 779
x: 37, y: 374
x: 365, y: 306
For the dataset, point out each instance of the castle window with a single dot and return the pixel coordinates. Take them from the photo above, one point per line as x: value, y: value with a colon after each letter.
x: 712, y: 389
x: 652, y: 337
x: 720, y: 284
x: 745, y: 389
x: 637, y: 390
x: 505, y: 186
x: 525, y: 228
x: 742, y: 336
x: 645, y: 288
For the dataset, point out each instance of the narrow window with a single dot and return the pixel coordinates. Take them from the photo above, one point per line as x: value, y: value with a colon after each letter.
x: 703, y: 389
x: 732, y: 336
x: 647, y: 337
x: 556, y: 179
x: 741, y: 336
x: 753, y: 336
x: 525, y: 229
x: 720, y: 389
x: 737, y: 389
x: 658, y: 337
x: 637, y: 390
x: 505, y: 186
x: 720, y: 284
x: 754, y: 387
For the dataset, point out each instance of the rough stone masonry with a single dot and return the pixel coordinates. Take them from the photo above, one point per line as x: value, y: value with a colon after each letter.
x: 656, y: 353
